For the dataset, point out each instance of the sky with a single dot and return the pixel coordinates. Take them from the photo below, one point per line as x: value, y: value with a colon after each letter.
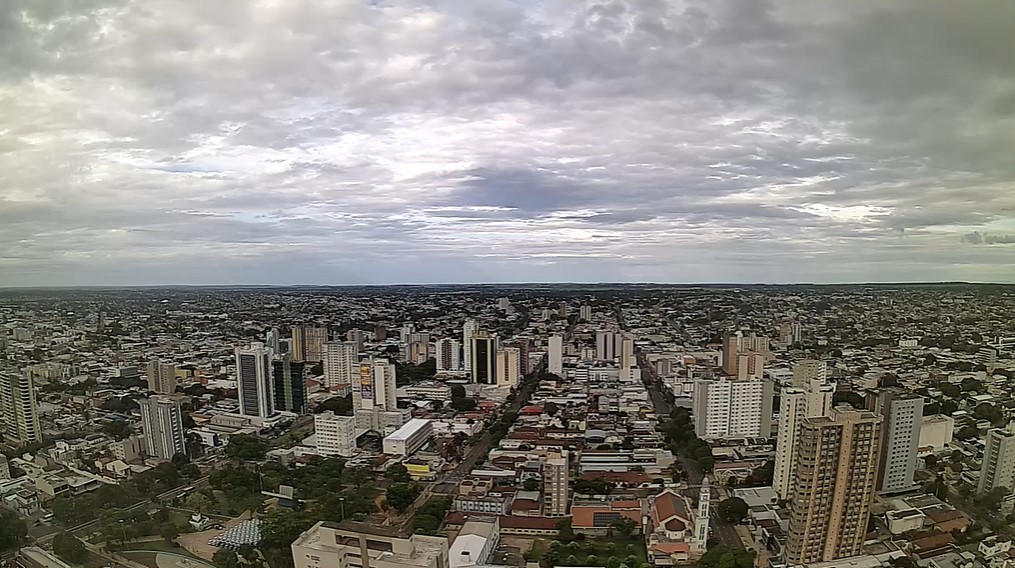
x: 358, y: 142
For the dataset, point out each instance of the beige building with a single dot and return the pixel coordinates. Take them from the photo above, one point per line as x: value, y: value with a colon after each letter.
x: 509, y: 366
x: 834, y: 483
x: 308, y: 343
x: 358, y: 545
x: 555, y: 485
x: 811, y: 399
x: 161, y: 376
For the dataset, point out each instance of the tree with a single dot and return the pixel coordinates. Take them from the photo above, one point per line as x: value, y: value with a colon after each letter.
x: 593, y: 487
x: 531, y: 484
x: 550, y: 408
x: 949, y: 407
x: 117, y: 429
x: 950, y: 390
x: 989, y: 412
x: 733, y: 510
x: 592, y: 560
x: 624, y: 526
x: 69, y: 549
x: 564, y: 531
x: 169, y: 532
x: 246, y: 447
x: 402, y: 495
x: 225, y: 558
x: 281, y: 527
x: 967, y: 432
x: 198, y: 502
x: 463, y: 404
x: 12, y: 529
x: 930, y: 461
x: 723, y: 557
x: 340, y: 405
x: 903, y: 562
x: 397, y: 472
x: 457, y: 391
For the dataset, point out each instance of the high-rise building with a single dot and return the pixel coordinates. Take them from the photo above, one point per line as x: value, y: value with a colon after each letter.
x: 416, y: 348
x: 289, y: 384
x: 750, y: 364
x: 335, y: 435
x: 308, y: 342
x: 357, y: 337
x: 809, y: 399
x: 585, y: 312
x: 5, y: 468
x: 627, y: 358
x: 503, y: 303
x: 555, y: 355
x: 509, y: 366
x: 606, y: 345
x: 726, y: 408
x: 161, y: 376
x: 555, y: 484
x: 273, y: 341
x: 484, y: 358
x: 833, y: 486
x: 162, y: 426
x: 902, y: 414
x: 253, y: 381
x: 340, y: 363
x: 729, y: 355
x: 449, y: 355
x: 998, y: 469
x: 809, y: 370
x: 375, y: 386
x: 469, y: 328
x: 19, y: 408
x: 701, y: 523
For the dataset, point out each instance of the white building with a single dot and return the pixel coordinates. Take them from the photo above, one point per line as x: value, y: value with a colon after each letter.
x: 627, y: 359
x: 936, y: 432
x: 341, y: 359
x: 475, y: 544
x: 375, y: 386
x: 810, y: 397
x: 326, y: 545
x: 161, y: 376
x: 509, y: 366
x: 998, y: 469
x: 413, y: 435
x: 900, y: 437
x: 728, y: 408
x: 253, y: 381
x: 469, y: 328
x: 606, y: 345
x: 555, y: 355
x: 162, y: 426
x: 449, y: 355
x: 335, y: 435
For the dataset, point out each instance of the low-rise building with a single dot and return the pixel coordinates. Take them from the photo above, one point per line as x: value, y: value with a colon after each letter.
x: 413, y: 435
x: 359, y: 545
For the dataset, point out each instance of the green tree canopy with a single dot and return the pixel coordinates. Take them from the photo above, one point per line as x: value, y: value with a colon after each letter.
x: 402, y: 495
x: 69, y: 549
x: 733, y: 509
x: 246, y: 447
x: 397, y: 472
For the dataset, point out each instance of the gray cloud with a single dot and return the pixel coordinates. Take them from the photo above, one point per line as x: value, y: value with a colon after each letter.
x: 152, y: 141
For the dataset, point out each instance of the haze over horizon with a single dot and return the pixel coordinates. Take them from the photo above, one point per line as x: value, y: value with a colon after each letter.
x: 466, y: 141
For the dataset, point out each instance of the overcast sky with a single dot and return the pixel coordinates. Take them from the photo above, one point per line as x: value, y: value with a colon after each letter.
x: 383, y: 141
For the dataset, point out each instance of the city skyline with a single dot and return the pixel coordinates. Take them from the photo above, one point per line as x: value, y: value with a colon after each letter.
x: 385, y: 142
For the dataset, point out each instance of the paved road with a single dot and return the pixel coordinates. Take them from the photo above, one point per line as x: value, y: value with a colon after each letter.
x: 721, y: 530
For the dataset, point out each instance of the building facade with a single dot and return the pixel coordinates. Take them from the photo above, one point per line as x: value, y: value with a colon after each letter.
x: 253, y: 381
x: 998, y: 469
x: 726, y: 408
x: 810, y: 399
x: 555, y: 485
x: 555, y: 355
x: 900, y: 439
x: 484, y: 358
x: 509, y: 366
x: 833, y: 485
x: 161, y: 376
x: 290, y: 386
x: 19, y: 407
x: 358, y: 545
x: 449, y: 355
x: 162, y: 426
x: 469, y: 328
x: 308, y: 342
x: 606, y: 345
x: 340, y: 361
x: 335, y: 435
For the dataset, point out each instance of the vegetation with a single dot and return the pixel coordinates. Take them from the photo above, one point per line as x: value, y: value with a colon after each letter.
x: 733, y: 510
x: 340, y: 405
x: 246, y: 447
x: 593, y: 487
x: 12, y: 529
x: 429, y: 517
x: 679, y: 433
x: 610, y: 553
x: 402, y: 495
x: 69, y: 548
x: 851, y: 398
x: 723, y: 557
x: 397, y: 472
x: 225, y: 558
x: 410, y: 373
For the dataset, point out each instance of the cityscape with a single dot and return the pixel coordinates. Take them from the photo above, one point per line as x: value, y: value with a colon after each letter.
x: 524, y: 425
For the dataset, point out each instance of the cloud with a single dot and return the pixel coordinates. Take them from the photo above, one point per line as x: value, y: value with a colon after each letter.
x: 148, y: 141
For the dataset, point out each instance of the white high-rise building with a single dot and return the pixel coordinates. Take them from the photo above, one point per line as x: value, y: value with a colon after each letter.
x: 161, y: 376
x: 627, y: 359
x: 902, y: 414
x: 375, y: 386
x: 555, y: 355
x: 449, y: 355
x: 701, y: 523
x: 727, y: 408
x: 253, y: 381
x: 340, y: 361
x: 19, y: 408
x: 809, y: 370
x: 273, y: 340
x: 606, y: 345
x: 509, y: 366
x: 998, y: 469
x: 585, y: 312
x: 162, y: 426
x: 468, y: 330
x: 335, y: 435
x: 810, y: 399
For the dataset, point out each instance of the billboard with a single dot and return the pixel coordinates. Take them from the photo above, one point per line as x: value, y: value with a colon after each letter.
x: 366, y: 381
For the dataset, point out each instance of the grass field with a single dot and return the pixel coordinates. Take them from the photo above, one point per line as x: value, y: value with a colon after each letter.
x: 600, y: 549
